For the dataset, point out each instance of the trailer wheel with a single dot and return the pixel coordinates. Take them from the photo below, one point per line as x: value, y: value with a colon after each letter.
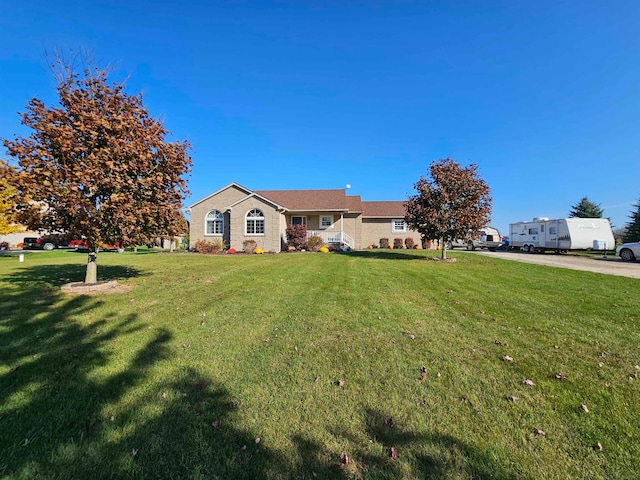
x: 525, y: 248
x: 470, y: 246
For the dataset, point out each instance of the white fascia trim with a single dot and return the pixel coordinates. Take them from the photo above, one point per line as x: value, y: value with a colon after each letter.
x: 253, y: 194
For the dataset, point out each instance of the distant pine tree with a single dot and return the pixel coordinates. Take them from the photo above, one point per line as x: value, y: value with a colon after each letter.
x: 632, y: 229
x: 586, y: 209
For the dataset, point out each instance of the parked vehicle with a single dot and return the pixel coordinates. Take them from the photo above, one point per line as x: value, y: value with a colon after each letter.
x: 487, y: 237
x: 561, y: 234
x: 629, y: 251
x: 104, y: 247
x: 44, y: 243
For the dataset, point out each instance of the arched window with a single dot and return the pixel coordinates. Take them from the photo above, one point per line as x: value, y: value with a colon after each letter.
x: 255, y: 222
x: 215, y: 223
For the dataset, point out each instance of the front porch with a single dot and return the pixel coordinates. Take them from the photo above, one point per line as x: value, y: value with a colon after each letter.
x: 333, y: 237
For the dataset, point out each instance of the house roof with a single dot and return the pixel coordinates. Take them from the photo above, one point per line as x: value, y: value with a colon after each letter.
x: 384, y: 209
x: 312, y: 200
x: 318, y: 200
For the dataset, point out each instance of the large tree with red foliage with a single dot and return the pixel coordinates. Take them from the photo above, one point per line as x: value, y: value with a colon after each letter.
x: 453, y: 202
x: 97, y: 166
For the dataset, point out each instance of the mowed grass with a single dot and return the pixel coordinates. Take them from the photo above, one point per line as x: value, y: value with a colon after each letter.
x: 273, y: 366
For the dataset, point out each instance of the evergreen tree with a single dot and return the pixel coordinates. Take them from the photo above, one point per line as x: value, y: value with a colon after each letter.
x: 632, y: 229
x: 586, y: 209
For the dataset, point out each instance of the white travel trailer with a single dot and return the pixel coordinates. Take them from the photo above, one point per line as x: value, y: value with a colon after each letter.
x: 562, y: 234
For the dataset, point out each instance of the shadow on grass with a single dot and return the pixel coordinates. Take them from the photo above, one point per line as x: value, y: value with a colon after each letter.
x: 58, y: 275
x: 90, y: 393
x: 419, y: 455
x: 387, y: 254
x: 432, y: 455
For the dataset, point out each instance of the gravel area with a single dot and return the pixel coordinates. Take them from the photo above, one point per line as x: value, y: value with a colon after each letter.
x: 609, y: 265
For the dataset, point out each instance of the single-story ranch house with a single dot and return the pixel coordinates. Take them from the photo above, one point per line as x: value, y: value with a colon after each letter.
x: 234, y: 214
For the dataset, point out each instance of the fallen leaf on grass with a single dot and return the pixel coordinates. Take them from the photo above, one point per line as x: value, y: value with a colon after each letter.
x: 164, y: 395
x: 598, y: 447
x: 389, y: 422
x: 412, y: 337
x: 542, y: 433
x: 423, y: 369
x: 340, y: 383
x: 422, y: 377
x: 215, y: 424
x: 257, y: 440
x: 528, y: 382
x: 134, y: 452
x: 513, y: 398
x: 507, y: 358
x: 244, y: 447
x: 584, y: 408
x: 392, y: 453
x: 560, y: 376
x: 112, y: 418
x: 317, y: 379
x: 438, y: 375
x: 344, y: 459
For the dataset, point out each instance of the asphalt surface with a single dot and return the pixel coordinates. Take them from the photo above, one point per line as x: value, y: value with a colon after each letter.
x: 609, y: 265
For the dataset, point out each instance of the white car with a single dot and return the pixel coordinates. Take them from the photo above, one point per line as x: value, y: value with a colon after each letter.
x: 629, y: 251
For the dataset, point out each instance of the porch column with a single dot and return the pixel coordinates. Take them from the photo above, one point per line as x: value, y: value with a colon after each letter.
x: 341, y: 228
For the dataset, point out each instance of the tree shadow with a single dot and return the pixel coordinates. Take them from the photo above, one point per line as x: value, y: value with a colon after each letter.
x: 73, y: 404
x: 58, y: 275
x: 77, y: 402
x: 431, y: 455
x: 387, y: 255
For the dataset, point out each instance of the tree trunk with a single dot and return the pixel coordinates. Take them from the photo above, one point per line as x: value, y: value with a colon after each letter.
x: 443, y: 249
x: 173, y: 241
x: 92, y: 268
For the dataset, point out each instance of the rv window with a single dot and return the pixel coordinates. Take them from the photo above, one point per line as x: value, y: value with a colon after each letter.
x: 541, y: 228
x: 533, y: 231
x: 553, y: 230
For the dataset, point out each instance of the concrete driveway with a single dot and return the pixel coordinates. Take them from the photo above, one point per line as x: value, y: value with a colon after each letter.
x: 609, y: 265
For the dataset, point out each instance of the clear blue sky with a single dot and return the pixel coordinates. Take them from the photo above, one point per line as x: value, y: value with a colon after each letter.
x: 543, y: 95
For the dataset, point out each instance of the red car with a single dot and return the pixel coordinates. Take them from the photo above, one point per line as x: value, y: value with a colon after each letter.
x: 105, y: 247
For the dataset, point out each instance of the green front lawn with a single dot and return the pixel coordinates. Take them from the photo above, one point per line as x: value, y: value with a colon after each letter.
x: 272, y: 366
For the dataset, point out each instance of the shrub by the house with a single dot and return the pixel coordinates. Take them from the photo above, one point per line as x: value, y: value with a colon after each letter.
x: 203, y: 246
x: 397, y: 243
x: 409, y: 243
x: 296, y: 236
x: 249, y: 246
x: 314, y: 243
x: 384, y: 243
